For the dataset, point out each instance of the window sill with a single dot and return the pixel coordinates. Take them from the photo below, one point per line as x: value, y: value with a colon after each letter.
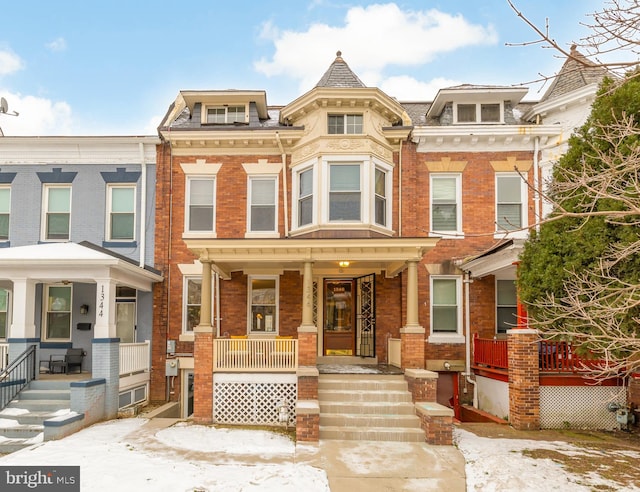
x: 186, y: 337
x: 447, y: 234
x: 512, y: 235
x: 262, y: 235
x: 440, y: 339
x: 199, y: 235
x: 119, y: 244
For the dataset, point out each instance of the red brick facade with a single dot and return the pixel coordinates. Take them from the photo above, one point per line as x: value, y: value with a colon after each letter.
x: 524, y: 379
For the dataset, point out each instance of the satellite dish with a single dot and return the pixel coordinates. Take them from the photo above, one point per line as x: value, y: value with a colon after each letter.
x: 3, y: 105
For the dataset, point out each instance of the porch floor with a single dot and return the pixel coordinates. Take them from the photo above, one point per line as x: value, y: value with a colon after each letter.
x: 384, y: 369
x: 76, y: 376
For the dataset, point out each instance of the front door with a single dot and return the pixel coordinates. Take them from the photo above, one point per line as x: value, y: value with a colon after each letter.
x: 339, y: 317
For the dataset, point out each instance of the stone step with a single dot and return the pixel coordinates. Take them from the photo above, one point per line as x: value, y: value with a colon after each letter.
x: 364, y: 395
x: 45, y: 384
x: 399, y: 434
x: 39, y: 405
x: 19, y: 431
x: 369, y: 384
x: 368, y: 408
x: 30, y: 418
x: 45, y: 394
x: 12, y: 444
x: 369, y: 420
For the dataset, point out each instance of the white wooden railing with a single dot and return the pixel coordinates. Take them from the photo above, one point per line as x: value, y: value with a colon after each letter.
x: 255, y: 355
x: 135, y: 358
x: 4, y: 356
x: 394, y: 351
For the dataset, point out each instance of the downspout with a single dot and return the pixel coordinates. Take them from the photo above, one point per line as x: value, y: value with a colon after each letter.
x: 217, y: 305
x: 143, y: 205
x: 536, y: 183
x: 467, y: 323
x: 400, y: 191
x: 284, y: 185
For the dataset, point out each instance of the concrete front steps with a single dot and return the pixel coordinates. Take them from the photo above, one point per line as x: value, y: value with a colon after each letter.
x: 367, y: 407
x: 21, y: 421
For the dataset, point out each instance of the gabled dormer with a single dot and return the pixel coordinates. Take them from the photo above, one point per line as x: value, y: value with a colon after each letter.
x: 475, y: 105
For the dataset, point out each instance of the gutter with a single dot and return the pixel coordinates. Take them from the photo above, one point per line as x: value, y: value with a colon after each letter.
x: 143, y: 206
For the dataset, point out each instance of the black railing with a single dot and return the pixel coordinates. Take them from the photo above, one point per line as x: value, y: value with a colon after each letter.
x: 17, y: 375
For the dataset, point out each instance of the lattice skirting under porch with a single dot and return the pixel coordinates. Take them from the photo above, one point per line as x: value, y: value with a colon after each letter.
x: 254, y: 399
x: 579, y: 407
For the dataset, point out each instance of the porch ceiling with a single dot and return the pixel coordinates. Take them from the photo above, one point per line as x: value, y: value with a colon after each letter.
x: 364, y: 255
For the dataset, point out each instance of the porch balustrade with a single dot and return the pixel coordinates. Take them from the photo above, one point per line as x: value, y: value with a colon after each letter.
x: 255, y: 355
x: 554, y: 357
x: 135, y: 358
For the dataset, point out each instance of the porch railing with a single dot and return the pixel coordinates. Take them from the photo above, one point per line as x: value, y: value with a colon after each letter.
x: 135, y: 358
x: 490, y: 353
x: 17, y: 375
x: 562, y: 357
x: 255, y: 355
x: 4, y: 356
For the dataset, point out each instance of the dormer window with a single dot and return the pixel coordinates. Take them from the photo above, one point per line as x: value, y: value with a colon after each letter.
x: 345, y: 124
x: 478, y: 113
x: 225, y: 115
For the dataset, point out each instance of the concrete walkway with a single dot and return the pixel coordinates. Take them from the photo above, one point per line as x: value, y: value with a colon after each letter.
x: 351, y: 466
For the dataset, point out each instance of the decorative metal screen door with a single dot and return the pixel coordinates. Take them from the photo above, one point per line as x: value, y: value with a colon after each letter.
x: 366, y: 316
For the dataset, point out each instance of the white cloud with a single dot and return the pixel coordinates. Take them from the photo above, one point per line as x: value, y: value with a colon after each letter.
x: 372, y: 38
x: 407, y: 89
x: 38, y: 116
x: 58, y: 44
x: 9, y: 62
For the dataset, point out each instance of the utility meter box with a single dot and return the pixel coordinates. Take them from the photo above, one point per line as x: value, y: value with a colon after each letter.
x: 171, y: 368
x: 171, y: 346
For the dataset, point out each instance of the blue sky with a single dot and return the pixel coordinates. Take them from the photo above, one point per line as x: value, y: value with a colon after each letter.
x: 113, y: 67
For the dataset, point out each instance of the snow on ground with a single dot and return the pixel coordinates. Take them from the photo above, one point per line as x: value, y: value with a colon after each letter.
x: 498, y: 465
x: 125, y: 456
x: 116, y: 455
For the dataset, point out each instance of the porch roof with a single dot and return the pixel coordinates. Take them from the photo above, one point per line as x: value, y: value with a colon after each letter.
x: 499, y: 260
x: 72, y: 262
x: 266, y: 255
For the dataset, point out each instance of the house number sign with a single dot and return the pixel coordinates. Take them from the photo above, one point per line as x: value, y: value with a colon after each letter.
x: 101, y: 302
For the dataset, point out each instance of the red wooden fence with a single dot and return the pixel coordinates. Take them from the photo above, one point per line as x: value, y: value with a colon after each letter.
x: 490, y: 353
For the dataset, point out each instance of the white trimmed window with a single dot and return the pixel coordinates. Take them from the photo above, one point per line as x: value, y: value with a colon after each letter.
x: 340, y: 193
x: 121, y: 207
x: 304, y: 181
x: 506, y: 305
x: 5, y: 212
x: 4, y: 313
x: 446, y: 203
x: 345, y: 196
x: 511, y: 196
x: 344, y: 124
x: 57, y: 316
x: 446, y: 309
x: 225, y: 114
x: 56, y: 212
x: 200, y: 206
x: 263, y: 304
x: 262, y: 204
x: 191, y: 300
x: 477, y: 113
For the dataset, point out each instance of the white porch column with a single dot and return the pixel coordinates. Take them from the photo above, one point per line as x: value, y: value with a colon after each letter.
x: 307, y: 295
x: 105, y: 309
x: 205, y: 301
x: 412, y: 293
x: 23, y: 309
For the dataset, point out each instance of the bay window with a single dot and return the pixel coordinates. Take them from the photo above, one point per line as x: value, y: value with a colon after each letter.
x: 344, y: 192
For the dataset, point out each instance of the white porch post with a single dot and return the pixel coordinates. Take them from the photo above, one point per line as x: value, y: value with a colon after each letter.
x: 22, y: 332
x: 307, y: 295
x: 412, y: 334
x: 106, y: 345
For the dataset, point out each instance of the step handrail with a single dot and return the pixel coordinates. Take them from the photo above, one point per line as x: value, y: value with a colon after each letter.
x: 17, y: 376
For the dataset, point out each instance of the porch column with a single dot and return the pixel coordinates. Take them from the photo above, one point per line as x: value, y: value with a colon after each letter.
x: 307, y: 407
x: 203, y: 353
x: 106, y: 346
x: 22, y: 332
x: 524, y: 379
x: 412, y: 334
